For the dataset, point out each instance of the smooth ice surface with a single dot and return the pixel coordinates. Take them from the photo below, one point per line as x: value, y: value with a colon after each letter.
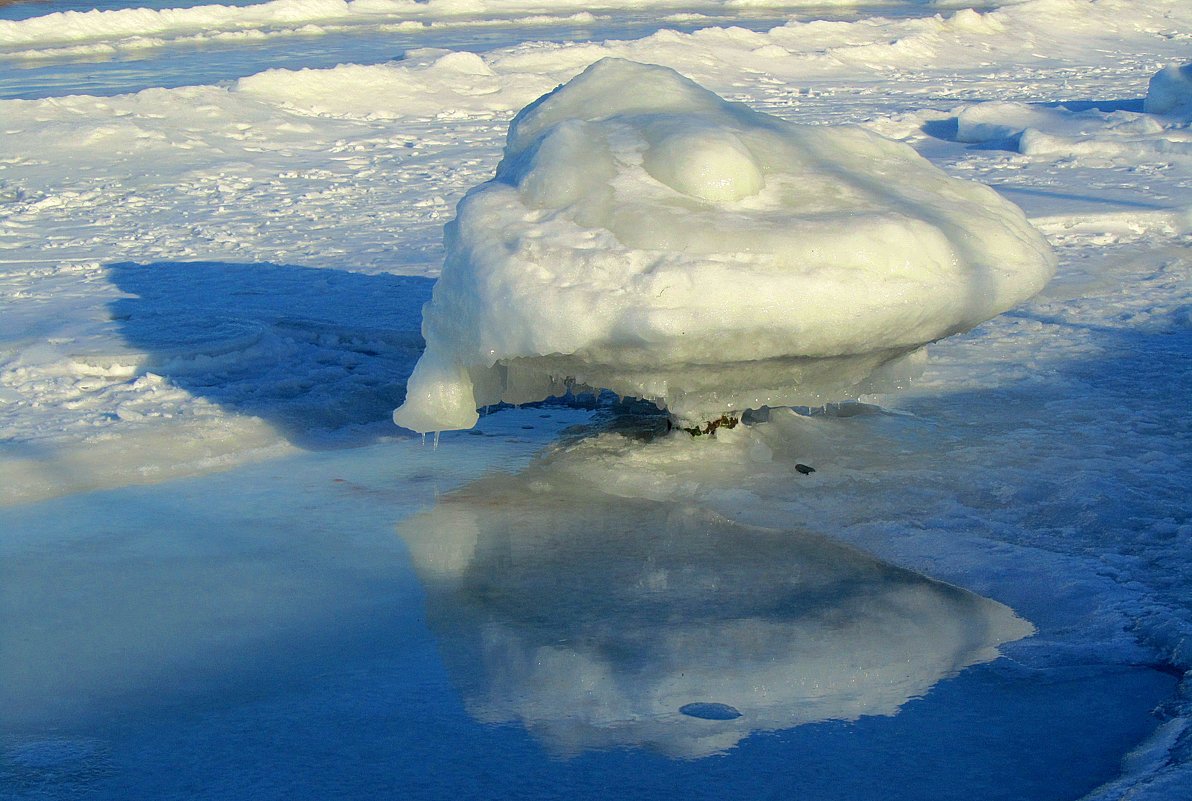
x: 645, y: 236
x: 263, y: 633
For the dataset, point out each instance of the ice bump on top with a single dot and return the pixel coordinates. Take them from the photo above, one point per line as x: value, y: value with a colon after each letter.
x: 643, y: 235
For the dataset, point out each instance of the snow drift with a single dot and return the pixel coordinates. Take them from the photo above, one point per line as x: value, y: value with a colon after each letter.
x: 1121, y: 136
x: 645, y: 236
x: 138, y: 28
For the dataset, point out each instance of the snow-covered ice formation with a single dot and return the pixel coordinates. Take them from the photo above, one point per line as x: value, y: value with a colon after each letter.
x: 643, y: 235
x: 1170, y: 91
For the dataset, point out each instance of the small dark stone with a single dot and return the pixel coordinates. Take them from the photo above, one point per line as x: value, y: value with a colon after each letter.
x: 710, y: 711
x: 804, y: 469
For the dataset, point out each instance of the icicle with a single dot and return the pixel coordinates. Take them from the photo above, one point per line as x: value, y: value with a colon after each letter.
x: 436, y: 445
x: 424, y: 439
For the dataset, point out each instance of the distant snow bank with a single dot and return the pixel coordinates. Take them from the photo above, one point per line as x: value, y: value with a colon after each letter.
x: 144, y: 23
x: 432, y: 83
x: 428, y: 83
x: 905, y: 38
x: 645, y: 236
x: 1161, y: 132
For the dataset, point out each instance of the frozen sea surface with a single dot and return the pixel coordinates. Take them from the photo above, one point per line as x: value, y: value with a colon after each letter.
x: 224, y: 573
x: 264, y: 633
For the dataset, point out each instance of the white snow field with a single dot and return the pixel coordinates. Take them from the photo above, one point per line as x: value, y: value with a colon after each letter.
x: 225, y: 572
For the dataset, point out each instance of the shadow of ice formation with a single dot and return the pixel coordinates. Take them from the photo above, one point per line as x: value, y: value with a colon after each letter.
x: 1133, y: 104
x: 322, y: 355
x: 601, y: 622
x: 948, y: 129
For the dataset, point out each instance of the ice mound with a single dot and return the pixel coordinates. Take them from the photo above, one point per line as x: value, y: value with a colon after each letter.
x: 645, y: 236
x: 1170, y: 91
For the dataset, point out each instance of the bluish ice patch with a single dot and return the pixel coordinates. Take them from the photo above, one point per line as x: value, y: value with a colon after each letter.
x: 265, y: 633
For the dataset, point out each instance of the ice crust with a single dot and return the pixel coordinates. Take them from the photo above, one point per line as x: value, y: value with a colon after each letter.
x: 645, y: 236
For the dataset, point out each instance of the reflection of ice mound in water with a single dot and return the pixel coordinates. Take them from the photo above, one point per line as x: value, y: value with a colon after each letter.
x: 643, y: 235
x: 599, y: 622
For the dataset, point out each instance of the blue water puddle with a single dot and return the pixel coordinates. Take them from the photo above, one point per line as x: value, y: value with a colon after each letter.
x: 390, y: 622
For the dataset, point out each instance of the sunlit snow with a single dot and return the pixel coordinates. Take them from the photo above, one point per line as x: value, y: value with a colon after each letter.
x: 644, y: 236
x: 1170, y: 92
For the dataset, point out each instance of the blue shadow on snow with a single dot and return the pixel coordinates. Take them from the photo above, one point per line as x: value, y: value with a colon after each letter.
x: 322, y: 355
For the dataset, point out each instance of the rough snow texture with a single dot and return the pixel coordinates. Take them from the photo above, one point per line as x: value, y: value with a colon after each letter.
x: 643, y: 235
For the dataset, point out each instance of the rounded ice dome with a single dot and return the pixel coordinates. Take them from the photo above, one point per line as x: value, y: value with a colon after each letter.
x: 645, y: 236
x: 1170, y: 91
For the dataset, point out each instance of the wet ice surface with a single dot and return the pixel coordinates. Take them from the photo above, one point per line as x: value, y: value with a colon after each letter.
x: 600, y: 621
x: 269, y: 628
